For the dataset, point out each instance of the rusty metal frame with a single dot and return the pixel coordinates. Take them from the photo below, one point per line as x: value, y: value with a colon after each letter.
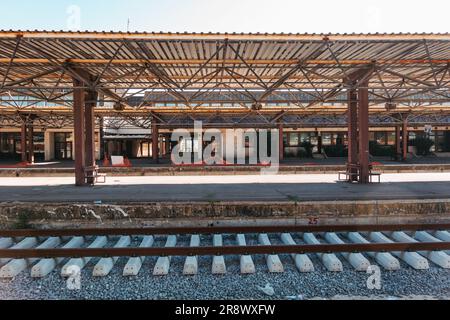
x: 410, y: 70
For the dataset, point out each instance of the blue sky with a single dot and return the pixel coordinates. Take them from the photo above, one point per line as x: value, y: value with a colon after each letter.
x: 230, y: 15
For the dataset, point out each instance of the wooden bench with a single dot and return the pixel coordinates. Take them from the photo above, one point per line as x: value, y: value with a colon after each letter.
x: 92, y: 173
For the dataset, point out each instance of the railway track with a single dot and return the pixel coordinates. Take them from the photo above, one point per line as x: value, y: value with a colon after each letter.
x: 41, y: 252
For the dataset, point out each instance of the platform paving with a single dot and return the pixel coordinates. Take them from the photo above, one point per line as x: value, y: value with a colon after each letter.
x: 289, y: 187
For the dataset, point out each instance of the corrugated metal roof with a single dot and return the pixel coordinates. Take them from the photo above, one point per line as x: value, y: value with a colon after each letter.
x: 223, y: 33
x: 404, y: 64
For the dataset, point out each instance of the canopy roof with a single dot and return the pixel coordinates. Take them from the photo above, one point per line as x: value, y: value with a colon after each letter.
x: 249, y: 71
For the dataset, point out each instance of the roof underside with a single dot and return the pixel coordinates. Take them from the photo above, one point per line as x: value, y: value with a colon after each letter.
x: 243, y: 71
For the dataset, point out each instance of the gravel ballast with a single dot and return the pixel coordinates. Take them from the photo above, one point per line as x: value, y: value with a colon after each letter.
x: 318, y: 284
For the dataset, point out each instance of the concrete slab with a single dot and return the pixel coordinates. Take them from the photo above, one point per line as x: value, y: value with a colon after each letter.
x: 218, y: 264
x: 26, y: 243
x: 357, y: 260
x: 105, y: 265
x: 163, y: 263
x: 444, y: 236
x: 6, y: 243
x: 411, y: 258
x: 273, y: 261
x: 45, y: 266
x: 99, y: 242
x: 246, y: 261
x: 191, y: 263
x: 385, y: 259
x: 302, y: 261
x: 329, y: 260
x: 16, y: 266
x: 134, y: 265
x: 438, y: 257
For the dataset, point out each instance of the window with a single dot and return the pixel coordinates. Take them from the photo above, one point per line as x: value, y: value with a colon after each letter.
x: 305, y: 137
x: 63, y: 145
x: 326, y: 139
x: 293, y: 139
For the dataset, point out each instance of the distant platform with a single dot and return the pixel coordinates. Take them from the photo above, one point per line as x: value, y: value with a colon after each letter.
x: 65, y: 169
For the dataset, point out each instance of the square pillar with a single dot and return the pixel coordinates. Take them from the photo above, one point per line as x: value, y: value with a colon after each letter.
x: 30, y: 133
x: 352, y: 121
x: 167, y: 136
x: 101, y: 154
x: 319, y: 142
x: 404, y: 140
x: 23, y: 141
x: 155, y: 141
x: 281, y: 141
x: 89, y: 120
x: 49, y: 145
x: 79, y: 134
x: 363, y: 132
x: 398, y: 149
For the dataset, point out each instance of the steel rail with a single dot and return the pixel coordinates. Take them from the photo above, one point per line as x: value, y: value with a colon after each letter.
x: 222, y: 229
x: 225, y: 250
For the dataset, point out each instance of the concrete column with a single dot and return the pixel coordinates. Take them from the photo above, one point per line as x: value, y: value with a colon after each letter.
x: 23, y: 141
x: 319, y: 142
x: 363, y: 132
x: 404, y: 140
x: 352, y: 121
x: 89, y: 119
x: 100, y: 140
x: 49, y: 145
x: 78, y: 122
x: 155, y: 140
x: 30, y: 133
x: 98, y: 153
x: 167, y: 144
x: 281, y: 141
x: 398, y: 149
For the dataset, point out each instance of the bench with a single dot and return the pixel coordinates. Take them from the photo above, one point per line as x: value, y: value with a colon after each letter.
x: 347, y: 174
x: 91, y: 173
x: 353, y: 171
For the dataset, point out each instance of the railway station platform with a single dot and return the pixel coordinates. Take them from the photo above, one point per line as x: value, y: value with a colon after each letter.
x: 286, y: 187
x: 229, y: 199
